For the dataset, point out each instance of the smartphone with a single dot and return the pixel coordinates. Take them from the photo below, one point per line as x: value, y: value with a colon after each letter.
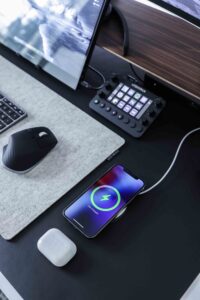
x: 103, y: 201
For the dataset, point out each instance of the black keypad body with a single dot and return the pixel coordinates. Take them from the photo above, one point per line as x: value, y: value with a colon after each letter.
x: 10, y: 113
x: 127, y: 105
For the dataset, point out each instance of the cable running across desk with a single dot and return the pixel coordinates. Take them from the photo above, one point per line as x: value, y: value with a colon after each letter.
x: 172, y: 163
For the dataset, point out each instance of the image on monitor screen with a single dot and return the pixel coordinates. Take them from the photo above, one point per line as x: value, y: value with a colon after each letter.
x: 186, y: 9
x: 53, y: 34
x: 191, y: 7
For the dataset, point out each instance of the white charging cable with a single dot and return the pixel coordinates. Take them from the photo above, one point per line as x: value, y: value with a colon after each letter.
x: 172, y: 163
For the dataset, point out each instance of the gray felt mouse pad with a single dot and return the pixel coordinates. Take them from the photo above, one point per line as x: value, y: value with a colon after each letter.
x: 83, y: 144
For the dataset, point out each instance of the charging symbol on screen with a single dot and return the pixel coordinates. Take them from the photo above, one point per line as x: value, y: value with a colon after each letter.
x: 105, y: 198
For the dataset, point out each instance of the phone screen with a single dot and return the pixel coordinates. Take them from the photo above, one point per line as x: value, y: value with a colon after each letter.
x: 103, y: 201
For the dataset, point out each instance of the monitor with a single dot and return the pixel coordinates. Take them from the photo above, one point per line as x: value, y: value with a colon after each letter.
x: 56, y: 35
x: 187, y: 9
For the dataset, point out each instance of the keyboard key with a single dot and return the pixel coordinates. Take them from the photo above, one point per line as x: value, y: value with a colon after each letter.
x: 144, y: 100
x: 2, y: 116
x: 120, y: 95
x: 121, y: 104
x: 125, y: 89
x: 19, y: 111
x: 132, y: 102
x: 138, y: 106
x: 5, y: 108
x: 7, y: 120
x: 115, y: 101
x: 131, y: 92
x: 133, y: 112
x: 6, y: 100
x: 137, y: 96
x: 126, y: 98
x: 127, y: 108
x: 2, y: 125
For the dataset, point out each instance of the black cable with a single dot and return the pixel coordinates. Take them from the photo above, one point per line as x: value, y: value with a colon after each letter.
x: 135, y: 73
x: 88, y: 85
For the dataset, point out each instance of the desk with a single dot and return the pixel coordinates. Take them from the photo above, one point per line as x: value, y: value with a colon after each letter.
x: 162, y: 45
x: 153, y: 252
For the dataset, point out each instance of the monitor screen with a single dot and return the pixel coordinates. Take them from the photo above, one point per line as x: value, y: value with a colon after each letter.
x: 188, y: 9
x: 55, y: 35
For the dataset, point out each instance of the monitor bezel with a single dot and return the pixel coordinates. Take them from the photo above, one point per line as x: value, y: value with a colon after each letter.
x: 88, y: 53
x: 178, y: 12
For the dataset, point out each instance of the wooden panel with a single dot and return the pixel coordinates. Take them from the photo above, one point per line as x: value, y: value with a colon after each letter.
x: 164, y: 45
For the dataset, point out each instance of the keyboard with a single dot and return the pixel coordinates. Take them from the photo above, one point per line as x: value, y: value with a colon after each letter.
x: 127, y: 105
x: 10, y: 113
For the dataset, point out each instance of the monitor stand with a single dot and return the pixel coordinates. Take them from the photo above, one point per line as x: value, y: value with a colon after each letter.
x: 113, y: 10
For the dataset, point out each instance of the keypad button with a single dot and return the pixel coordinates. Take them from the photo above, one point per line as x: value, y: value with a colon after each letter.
x: 133, y: 124
x: 127, y: 108
x: 131, y: 92
x: 10, y: 112
x: 132, y: 102
x: 126, y: 121
x: 115, y: 101
x: 120, y: 86
x: 102, y: 105
x: 133, y: 112
x: 137, y: 96
x: 138, y: 106
x: 14, y: 116
x: 3, y: 116
x: 115, y: 92
x: 7, y: 121
x: 110, y: 98
x: 121, y: 104
x: 5, y: 108
x: 96, y: 101
x: 120, y: 117
x: 114, y: 113
x: 125, y: 89
x: 21, y: 112
x: 120, y: 95
x: 144, y: 100
x: 126, y: 98
x: 108, y: 109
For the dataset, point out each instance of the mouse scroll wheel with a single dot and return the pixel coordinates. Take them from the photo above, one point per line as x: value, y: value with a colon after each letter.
x: 42, y: 134
x: 42, y: 139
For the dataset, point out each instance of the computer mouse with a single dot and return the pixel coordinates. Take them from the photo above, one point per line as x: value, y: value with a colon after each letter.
x: 27, y: 148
